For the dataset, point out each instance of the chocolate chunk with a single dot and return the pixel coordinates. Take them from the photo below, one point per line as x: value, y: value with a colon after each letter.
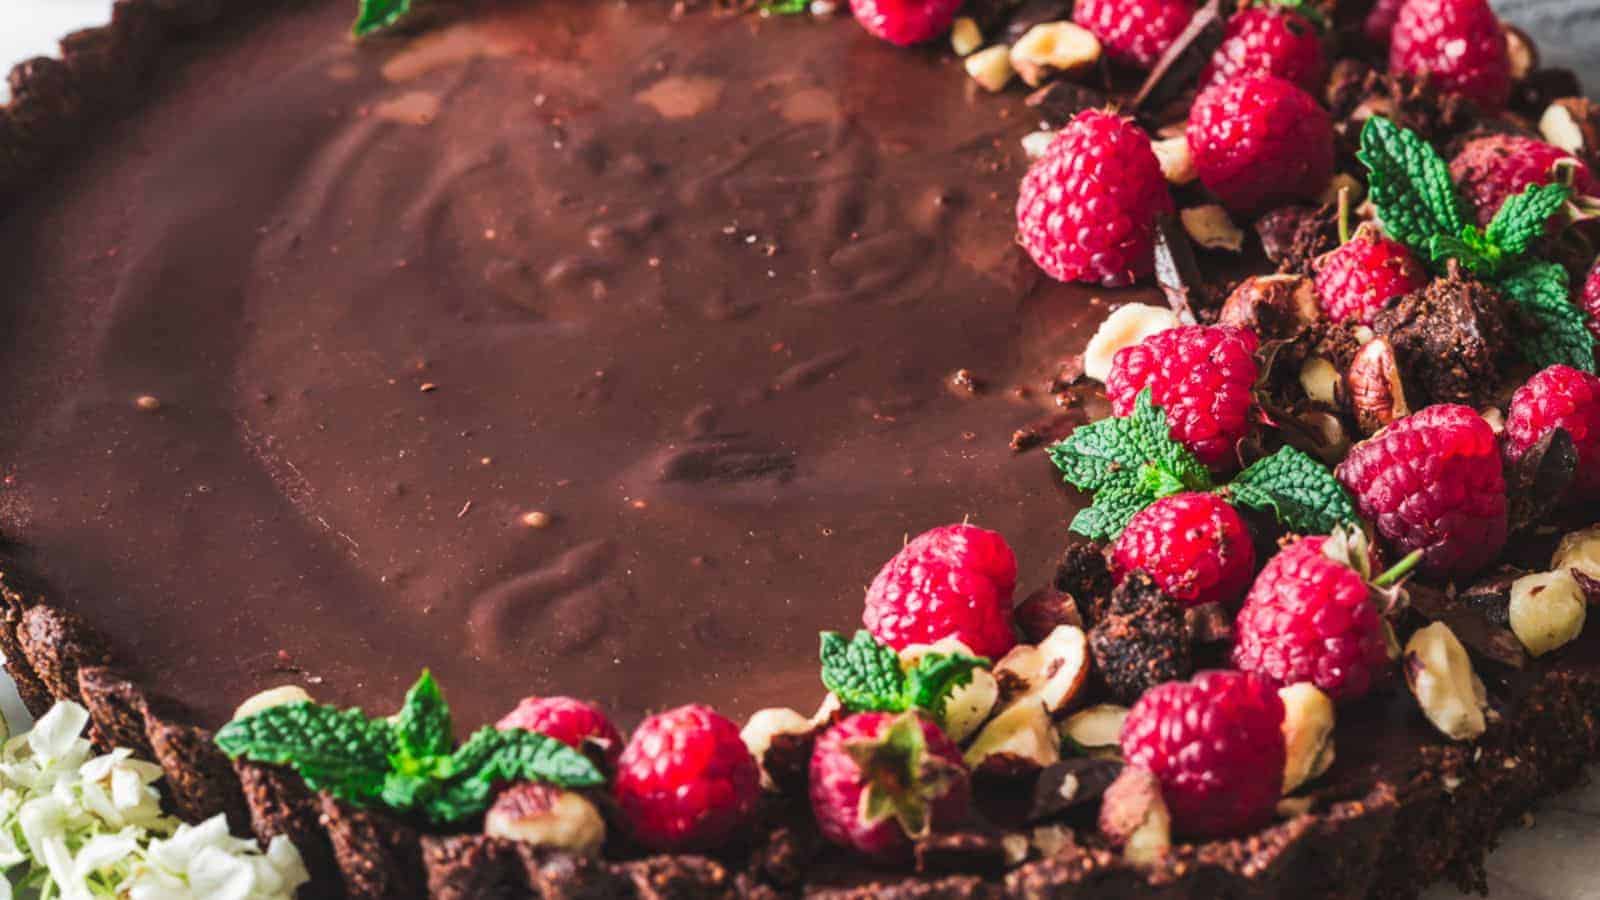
x: 1209, y: 623
x: 1178, y: 68
x: 13, y: 604
x: 679, y: 877
x: 1141, y: 641
x: 472, y: 867
x: 1177, y: 273
x: 558, y: 875
x: 200, y: 781
x: 280, y: 803
x: 1478, y: 617
x: 788, y: 761
x: 56, y: 645
x: 1071, y: 789
x: 1543, y: 86
x: 1452, y: 340
x: 1084, y: 574
x: 1057, y: 102
x: 1538, y: 481
x: 1044, y: 611
x: 787, y: 853
x: 1045, y: 431
x: 379, y: 856
x: 118, y: 709
x: 961, y: 852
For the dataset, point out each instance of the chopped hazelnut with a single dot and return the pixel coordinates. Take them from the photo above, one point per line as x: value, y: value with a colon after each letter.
x: 1021, y: 734
x: 1210, y: 227
x: 1307, y: 734
x: 965, y: 36
x: 1579, y: 553
x: 991, y: 67
x: 1320, y: 380
x: 1134, y: 817
x: 278, y: 696
x: 762, y: 727
x: 1373, y: 382
x: 1547, y: 610
x: 1177, y: 160
x: 1441, y: 677
x: 1126, y: 326
x: 1052, y: 672
x: 1572, y: 124
x: 544, y: 815
x: 1054, y: 48
x: 1096, y: 729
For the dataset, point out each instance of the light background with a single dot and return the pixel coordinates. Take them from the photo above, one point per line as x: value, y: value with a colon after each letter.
x: 1555, y: 860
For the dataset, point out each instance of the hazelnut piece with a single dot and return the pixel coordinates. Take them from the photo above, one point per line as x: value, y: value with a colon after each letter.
x: 1020, y: 737
x: 1054, y: 48
x: 1134, y: 816
x: 1307, y: 734
x: 544, y: 815
x: 1377, y: 395
x: 1579, y: 553
x: 1052, y: 671
x: 1126, y: 326
x: 282, y: 695
x: 991, y: 67
x: 1440, y: 676
x: 1547, y: 610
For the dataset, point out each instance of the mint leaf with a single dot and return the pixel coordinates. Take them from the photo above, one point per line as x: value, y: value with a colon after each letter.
x: 1523, y: 217
x: 786, y: 7
x: 1109, y: 514
x: 1540, y: 290
x: 1476, y: 253
x: 864, y: 674
x: 1409, y: 184
x: 376, y: 15
x: 1128, y: 462
x: 492, y: 756
x: 338, y: 751
x: 1298, y: 489
x: 423, y: 725
x: 1307, y: 9
x: 929, y: 683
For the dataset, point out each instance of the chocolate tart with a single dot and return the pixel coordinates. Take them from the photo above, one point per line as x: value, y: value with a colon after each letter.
x: 588, y: 346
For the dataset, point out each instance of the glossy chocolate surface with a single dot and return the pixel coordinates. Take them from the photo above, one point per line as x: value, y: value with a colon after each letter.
x: 694, y: 289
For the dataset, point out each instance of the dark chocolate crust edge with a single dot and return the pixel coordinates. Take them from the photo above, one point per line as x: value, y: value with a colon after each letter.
x: 1438, y: 824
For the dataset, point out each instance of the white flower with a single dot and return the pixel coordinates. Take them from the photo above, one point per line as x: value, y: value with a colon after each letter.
x: 82, y: 828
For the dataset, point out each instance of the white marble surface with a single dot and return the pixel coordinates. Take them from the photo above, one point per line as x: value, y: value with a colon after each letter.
x: 1555, y: 860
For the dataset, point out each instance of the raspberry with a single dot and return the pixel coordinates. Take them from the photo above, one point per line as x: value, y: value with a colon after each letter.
x: 1457, y: 44
x: 1589, y: 299
x: 954, y: 581
x: 572, y: 722
x: 1195, y: 546
x: 1433, y: 482
x: 1310, y: 617
x: 1489, y: 169
x: 1356, y: 279
x: 912, y: 770
x: 686, y: 781
x: 1216, y: 743
x: 905, y: 22
x: 1201, y: 375
x: 1379, y: 23
x: 1134, y: 32
x: 1259, y: 142
x: 1566, y: 398
x: 1087, y: 208
x: 1269, y: 40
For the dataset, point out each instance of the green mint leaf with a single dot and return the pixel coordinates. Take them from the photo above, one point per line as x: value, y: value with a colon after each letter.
x: 423, y: 725
x: 376, y: 15
x: 492, y: 756
x: 338, y: 751
x: 1409, y: 184
x: 1298, y: 489
x: 404, y: 792
x: 786, y: 7
x: 1154, y: 437
x: 929, y: 683
x: 1472, y: 249
x: 1109, y: 514
x: 1307, y: 9
x: 1523, y: 217
x: 864, y: 674
x: 1540, y: 290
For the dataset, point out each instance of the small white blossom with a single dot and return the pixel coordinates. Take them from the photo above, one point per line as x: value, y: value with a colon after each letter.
x: 82, y: 828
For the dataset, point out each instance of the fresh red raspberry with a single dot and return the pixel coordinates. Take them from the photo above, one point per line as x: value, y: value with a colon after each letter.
x: 1379, y: 23
x: 1087, y: 208
x: 1360, y: 276
x: 1258, y: 142
x: 905, y: 22
x: 1203, y: 376
x: 1310, y: 617
x: 955, y: 581
x: 912, y: 771
x: 1589, y: 299
x: 1492, y: 168
x: 570, y: 721
x: 1134, y: 32
x: 1433, y: 482
x: 1196, y: 547
x: 1457, y: 44
x: 1269, y: 40
x: 686, y: 781
x: 1566, y: 398
x: 1216, y: 743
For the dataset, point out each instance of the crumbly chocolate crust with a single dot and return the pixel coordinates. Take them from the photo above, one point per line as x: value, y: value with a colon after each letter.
x: 1385, y: 841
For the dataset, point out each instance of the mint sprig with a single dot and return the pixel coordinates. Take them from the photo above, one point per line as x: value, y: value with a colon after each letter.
x: 1297, y: 489
x: 376, y: 15
x: 785, y: 7
x: 406, y: 764
x: 1127, y: 462
x: 867, y: 676
x: 1130, y: 462
x: 1418, y: 205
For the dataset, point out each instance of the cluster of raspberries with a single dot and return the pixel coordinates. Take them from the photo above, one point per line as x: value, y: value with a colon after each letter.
x: 1431, y: 484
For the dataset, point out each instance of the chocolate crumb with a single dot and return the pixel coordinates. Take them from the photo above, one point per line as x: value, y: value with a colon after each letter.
x: 1141, y: 640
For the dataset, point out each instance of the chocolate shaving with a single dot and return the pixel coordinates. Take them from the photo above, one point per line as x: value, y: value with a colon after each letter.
x: 1469, y: 624
x: 1177, y: 272
x: 1538, y: 481
x: 1035, y: 12
x: 1072, y: 787
x: 1058, y: 101
x: 1044, y: 431
x: 1182, y: 62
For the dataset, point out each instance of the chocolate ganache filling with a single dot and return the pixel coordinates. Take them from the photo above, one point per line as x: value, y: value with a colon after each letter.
x: 572, y: 348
